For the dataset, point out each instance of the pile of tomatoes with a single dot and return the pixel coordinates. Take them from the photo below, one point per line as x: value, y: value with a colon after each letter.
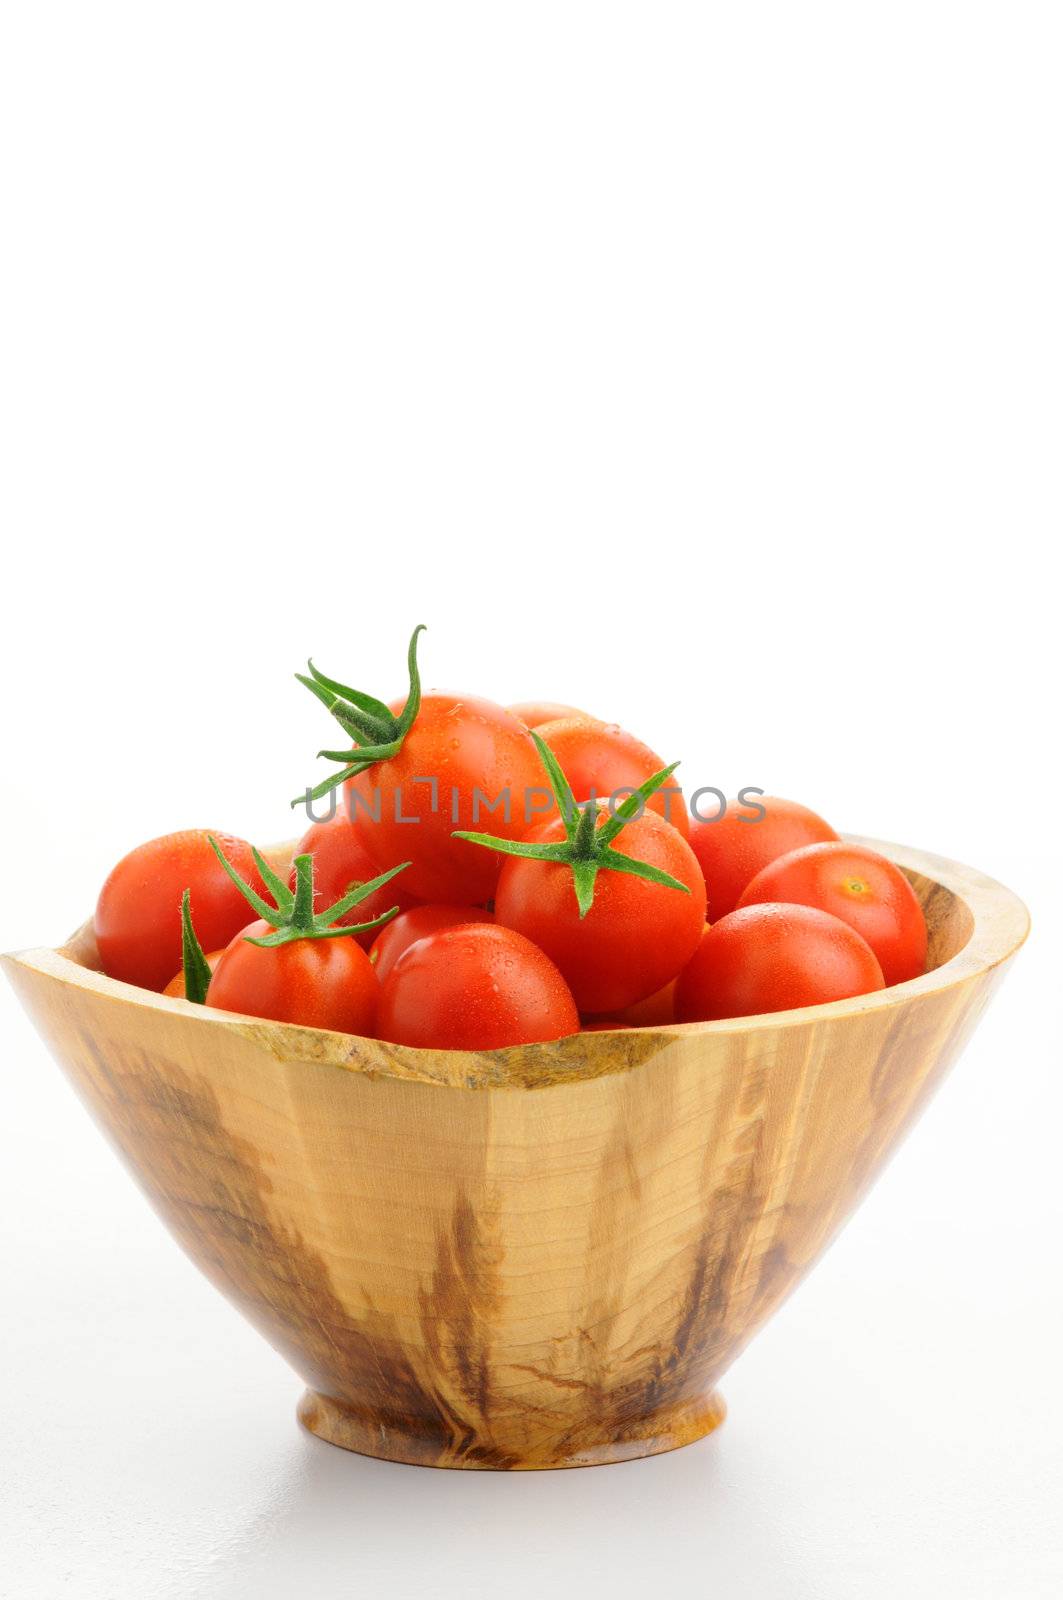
x: 493, y: 876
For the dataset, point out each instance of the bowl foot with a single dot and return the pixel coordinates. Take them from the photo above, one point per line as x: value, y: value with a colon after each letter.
x: 667, y: 1429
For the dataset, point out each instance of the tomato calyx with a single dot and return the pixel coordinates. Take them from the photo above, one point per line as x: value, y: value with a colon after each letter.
x: 376, y: 730
x: 194, y: 964
x: 587, y: 847
x: 293, y: 917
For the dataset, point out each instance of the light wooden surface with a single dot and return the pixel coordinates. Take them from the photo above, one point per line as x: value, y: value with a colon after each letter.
x: 526, y: 1258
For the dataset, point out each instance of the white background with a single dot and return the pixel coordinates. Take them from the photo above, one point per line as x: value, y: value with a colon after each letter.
x: 697, y: 364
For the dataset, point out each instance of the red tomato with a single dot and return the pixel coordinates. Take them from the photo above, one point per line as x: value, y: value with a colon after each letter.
x: 656, y: 1011
x: 600, y: 759
x: 636, y: 936
x: 475, y: 987
x: 138, y: 914
x: 734, y: 849
x: 460, y: 756
x: 176, y: 986
x: 409, y: 926
x: 863, y: 889
x: 341, y: 860
x: 533, y: 713
x: 320, y: 983
x: 774, y: 958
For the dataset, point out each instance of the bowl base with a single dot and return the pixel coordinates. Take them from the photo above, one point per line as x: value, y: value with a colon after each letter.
x: 668, y: 1429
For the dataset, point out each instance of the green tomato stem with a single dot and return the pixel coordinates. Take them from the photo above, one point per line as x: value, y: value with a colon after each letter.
x: 377, y: 733
x: 587, y: 846
x: 194, y: 963
x: 293, y: 917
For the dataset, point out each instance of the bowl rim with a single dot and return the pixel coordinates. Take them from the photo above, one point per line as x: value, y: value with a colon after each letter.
x: 1000, y: 924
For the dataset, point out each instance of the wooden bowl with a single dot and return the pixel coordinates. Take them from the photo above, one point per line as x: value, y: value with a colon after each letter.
x: 534, y: 1257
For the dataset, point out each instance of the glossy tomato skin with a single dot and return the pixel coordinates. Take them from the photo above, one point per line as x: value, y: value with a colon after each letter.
x: 733, y: 849
x: 465, y: 745
x: 656, y: 1011
x: 603, y: 759
x: 774, y: 958
x: 474, y: 987
x: 138, y: 913
x: 396, y: 937
x: 636, y: 936
x: 341, y: 860
x: 863, y: 889
x: 176, y: 986
x: 319, y: 983
x: 533, y: 713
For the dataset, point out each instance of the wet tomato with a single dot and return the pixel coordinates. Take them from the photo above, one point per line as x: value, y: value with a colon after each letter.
x: 774, y: 958
x: 637, y: 934
x: 342, y: 859
x: 465, y: 763
x: 319, y: 983
x: 656, y: 1011
x: 601, y: 760
x: 475, y: 987
x: 533, y: 713
x: 425, y: 766
x: 861, y: 887
x: 733, y: 849
x: 409, y: 926
x: 138, y: 913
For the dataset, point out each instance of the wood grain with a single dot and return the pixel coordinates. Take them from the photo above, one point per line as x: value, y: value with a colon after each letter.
x: 535, y: 1257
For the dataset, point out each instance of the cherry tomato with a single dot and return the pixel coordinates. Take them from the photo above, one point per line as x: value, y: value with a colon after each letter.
x: 396, y: 938
x: 601, y: 759
x: 733, y: 849
x: 461, y: 756
x: 637, y: 934
x: 656, y: 1011
x: 474, y: 987
x: 176, y: 986
x: 320, y: 983
x: 863, y: 889
x: 774, y: 958
x: 341, y: 859
x: 138, y: 914
x: 533, y: 713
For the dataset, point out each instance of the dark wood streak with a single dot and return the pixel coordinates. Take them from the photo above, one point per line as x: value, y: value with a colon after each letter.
x: 457, y: 1313
x: 164, y: 1126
